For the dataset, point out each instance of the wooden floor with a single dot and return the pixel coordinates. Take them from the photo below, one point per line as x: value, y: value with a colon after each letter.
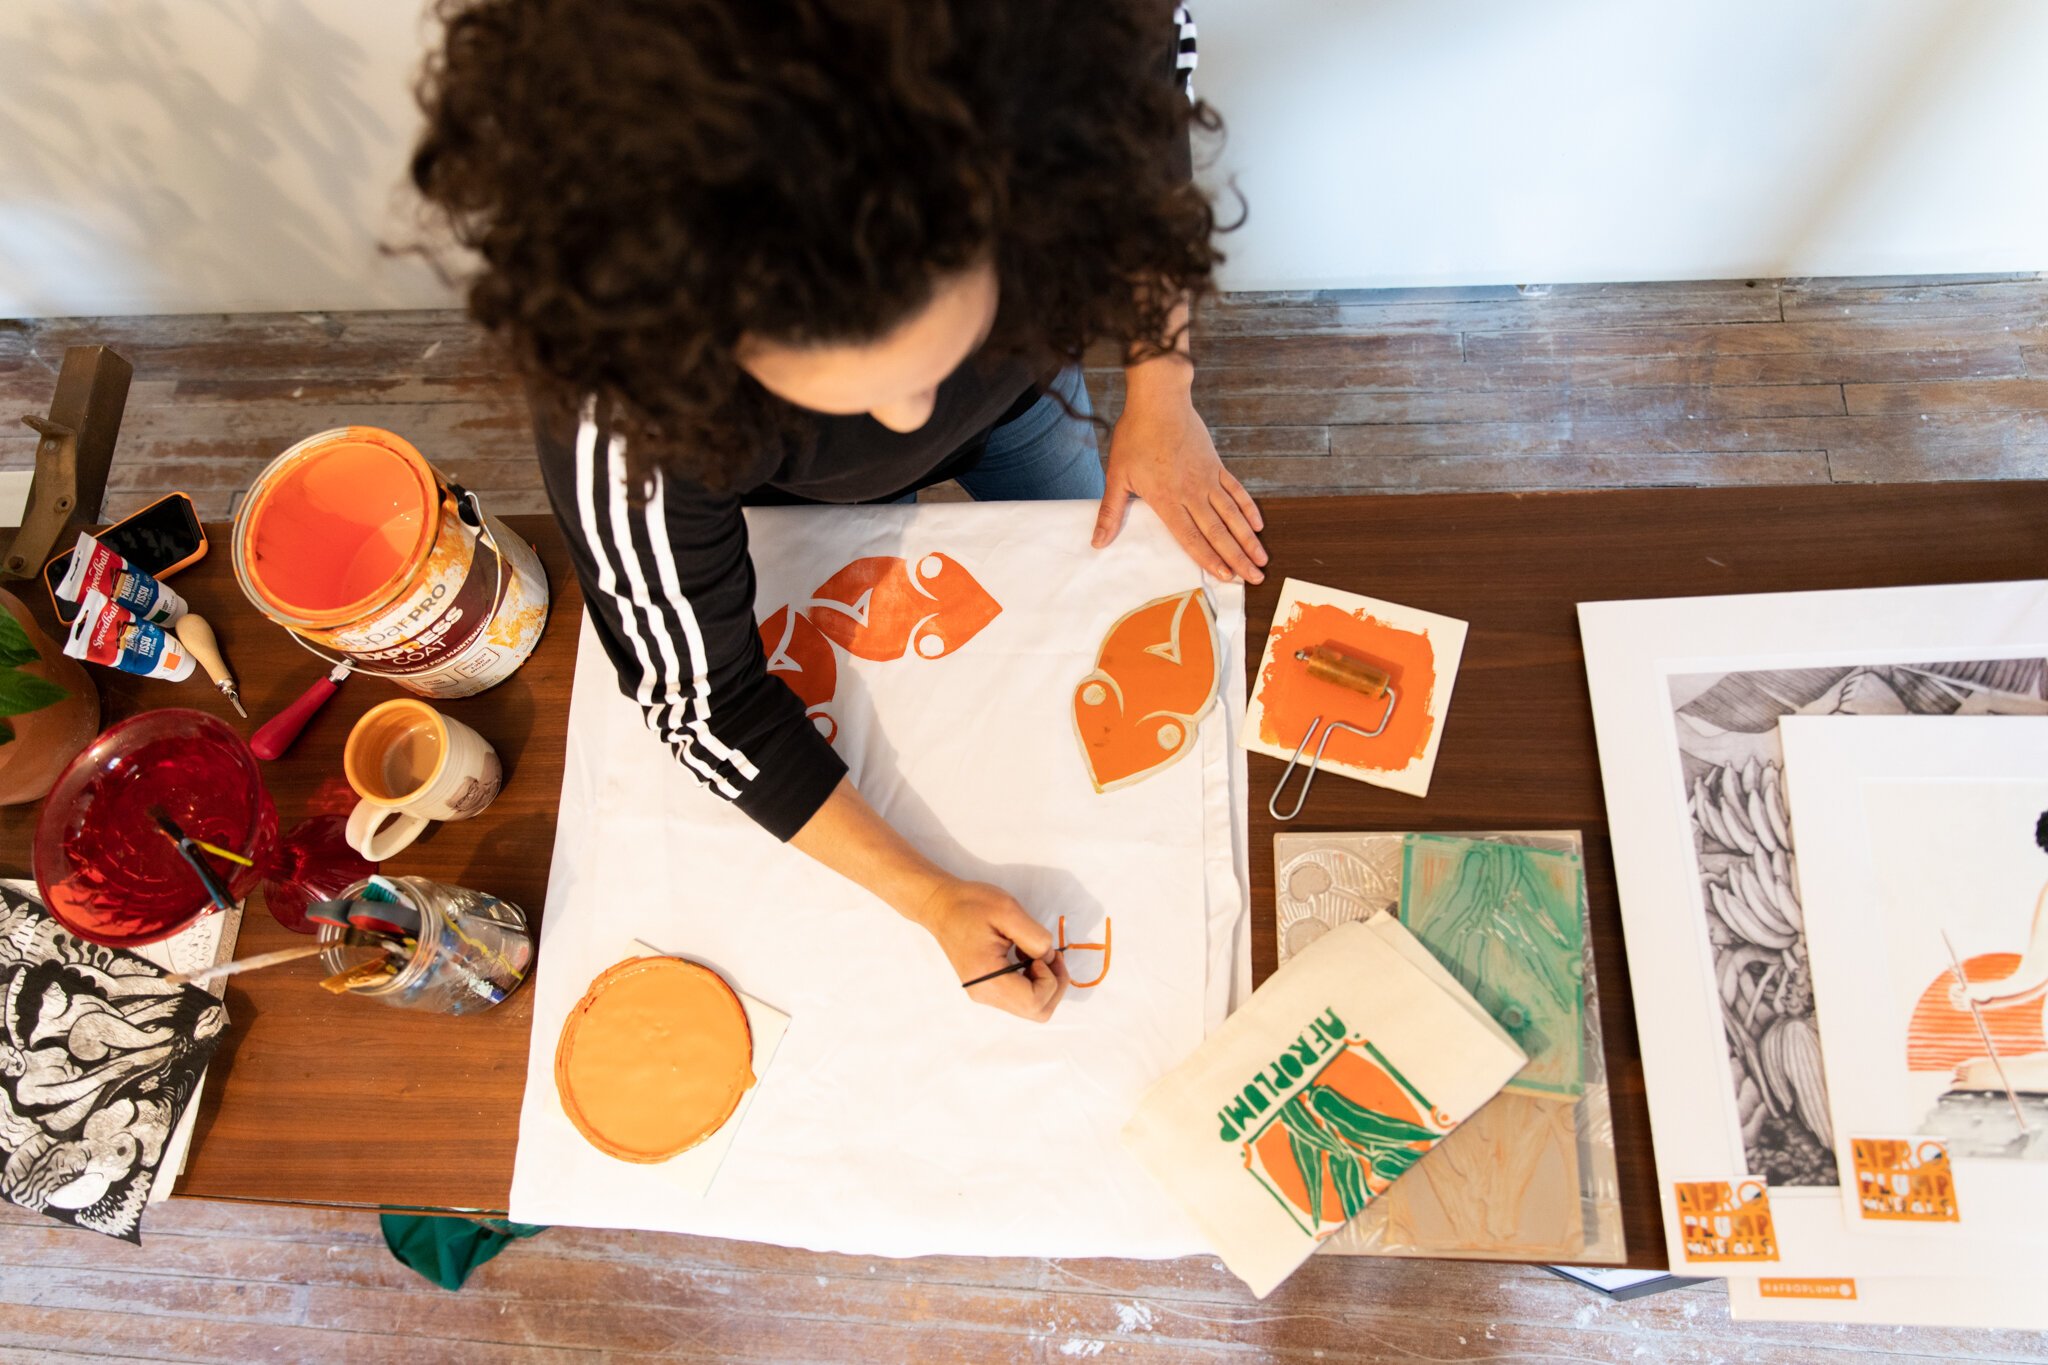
x: 217, y: 1282
x: 1734, y: 381
x: 1724, y: 382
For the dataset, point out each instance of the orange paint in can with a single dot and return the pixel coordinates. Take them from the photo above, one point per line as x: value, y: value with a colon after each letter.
x: 356, y: 544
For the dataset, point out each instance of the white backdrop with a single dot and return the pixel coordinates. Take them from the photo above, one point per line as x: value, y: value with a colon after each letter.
x: 224, y: 155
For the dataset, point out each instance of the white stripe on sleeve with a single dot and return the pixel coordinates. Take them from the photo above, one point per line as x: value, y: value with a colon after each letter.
x: 700, y: 669
x: 608, y: 582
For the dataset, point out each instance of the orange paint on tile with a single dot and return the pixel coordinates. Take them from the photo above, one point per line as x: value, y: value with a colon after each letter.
x: 654, y: 1058
x: 1292, y: 699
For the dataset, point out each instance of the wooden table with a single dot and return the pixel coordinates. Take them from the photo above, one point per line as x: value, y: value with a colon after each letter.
x: 318, y: 1100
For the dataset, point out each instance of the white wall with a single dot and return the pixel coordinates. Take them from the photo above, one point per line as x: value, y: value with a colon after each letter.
x: 226, y: 155
x: 1411, y: 142
x: 172, y: 156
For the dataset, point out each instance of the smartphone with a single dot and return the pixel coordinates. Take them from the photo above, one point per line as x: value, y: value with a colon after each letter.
x: 161, y: 539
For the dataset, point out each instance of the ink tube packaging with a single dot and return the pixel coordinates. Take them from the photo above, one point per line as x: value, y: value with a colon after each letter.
x: 108, y: 633
x: 95, y: 568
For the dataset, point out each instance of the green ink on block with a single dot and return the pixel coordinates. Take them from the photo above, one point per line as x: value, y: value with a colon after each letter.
x: 1504, y: 920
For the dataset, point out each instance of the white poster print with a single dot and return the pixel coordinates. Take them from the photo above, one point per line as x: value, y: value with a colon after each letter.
x: 1727, y: 727
x: 1922, y: 873
x: 1959, y: 863
x: 1685, y: 692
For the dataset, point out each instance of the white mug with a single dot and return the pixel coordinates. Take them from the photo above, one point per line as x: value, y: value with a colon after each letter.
x: 411, y: 766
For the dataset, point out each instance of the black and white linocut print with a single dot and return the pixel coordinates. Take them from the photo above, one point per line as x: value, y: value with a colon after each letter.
x: 1734, y: 776
x: 99, y: 1056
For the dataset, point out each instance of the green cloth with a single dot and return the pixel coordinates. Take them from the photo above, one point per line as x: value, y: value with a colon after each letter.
x: 445, y: 1250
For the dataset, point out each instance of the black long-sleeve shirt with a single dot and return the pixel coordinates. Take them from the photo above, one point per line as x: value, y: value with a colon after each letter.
x: 669, y: 585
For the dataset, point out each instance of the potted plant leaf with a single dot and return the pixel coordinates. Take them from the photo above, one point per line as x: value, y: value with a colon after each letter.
x: 49, y: 709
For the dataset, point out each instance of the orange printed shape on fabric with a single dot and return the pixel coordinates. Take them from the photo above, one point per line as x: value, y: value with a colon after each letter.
x: 800, y: 655
x: 654, y: 1058
x: 1154, y: 679
x: 883, y: 607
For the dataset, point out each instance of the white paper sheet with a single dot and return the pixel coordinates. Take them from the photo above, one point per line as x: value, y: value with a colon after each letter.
x: 1652, y: 666
x: 900, y: 1118
x: 1916, y: 833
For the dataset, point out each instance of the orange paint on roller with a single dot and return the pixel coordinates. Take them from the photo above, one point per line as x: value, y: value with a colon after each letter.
x: 1293, y: 695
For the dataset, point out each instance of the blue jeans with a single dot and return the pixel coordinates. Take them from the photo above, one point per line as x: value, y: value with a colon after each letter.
x: 1044, y: 454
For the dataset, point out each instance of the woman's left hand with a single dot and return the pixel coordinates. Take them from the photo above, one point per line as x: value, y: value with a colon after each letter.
x: 1161, y: 451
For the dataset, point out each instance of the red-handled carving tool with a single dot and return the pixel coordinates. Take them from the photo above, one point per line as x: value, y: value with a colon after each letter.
x: 281, y: 730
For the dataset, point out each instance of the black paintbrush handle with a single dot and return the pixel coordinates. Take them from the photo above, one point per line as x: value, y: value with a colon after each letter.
x: 1005, y: 971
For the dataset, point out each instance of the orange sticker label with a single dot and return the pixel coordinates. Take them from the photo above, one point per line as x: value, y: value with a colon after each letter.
x: 1904, y: 1180
x: 1721, y: 1221
x: 1806, y: 1289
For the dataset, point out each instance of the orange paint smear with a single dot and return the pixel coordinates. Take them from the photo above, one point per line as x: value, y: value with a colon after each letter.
x: 1104, y: 946
x: 1292, y: 699
x: 341, y: 526
x: 1942, y: 1037
x: 654, y: 1058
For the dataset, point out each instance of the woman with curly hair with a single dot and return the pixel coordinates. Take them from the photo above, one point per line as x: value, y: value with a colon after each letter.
x: 754, y: 251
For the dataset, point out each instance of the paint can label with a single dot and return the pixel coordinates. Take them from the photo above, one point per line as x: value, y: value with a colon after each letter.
x: 472, y: 616
x: 412, y: 581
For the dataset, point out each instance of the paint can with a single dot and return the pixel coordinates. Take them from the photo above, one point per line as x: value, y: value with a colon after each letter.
x: 372, y: 557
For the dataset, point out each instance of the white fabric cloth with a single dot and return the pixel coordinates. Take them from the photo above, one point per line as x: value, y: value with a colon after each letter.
x: 899, y: 1118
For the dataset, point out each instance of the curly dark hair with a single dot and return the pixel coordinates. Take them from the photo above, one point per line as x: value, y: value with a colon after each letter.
x: 645, y: 181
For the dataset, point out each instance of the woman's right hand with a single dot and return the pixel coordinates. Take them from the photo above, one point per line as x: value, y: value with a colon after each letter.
x: 977, y: 926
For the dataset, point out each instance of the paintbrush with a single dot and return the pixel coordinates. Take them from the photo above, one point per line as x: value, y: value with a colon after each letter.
x: 1983, y: 1031
x: 189, y: 849
x: 245, y: 964
x: 249, y: 964
x: 1004, y: 971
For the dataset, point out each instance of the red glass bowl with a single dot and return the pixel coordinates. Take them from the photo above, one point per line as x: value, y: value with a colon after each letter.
x: 106, y: 871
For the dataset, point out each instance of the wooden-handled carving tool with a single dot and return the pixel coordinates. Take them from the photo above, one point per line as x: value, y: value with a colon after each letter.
x: 281, y: 730
x: 197, y: 636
